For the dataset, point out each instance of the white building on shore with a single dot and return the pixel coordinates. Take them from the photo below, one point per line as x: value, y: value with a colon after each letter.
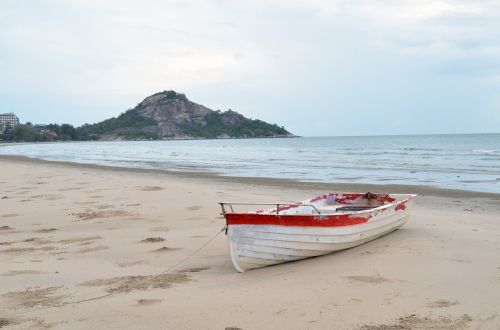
x: 8, y: 120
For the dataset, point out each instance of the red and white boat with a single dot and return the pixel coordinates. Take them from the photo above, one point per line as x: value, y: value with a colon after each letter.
x: 314, y: 227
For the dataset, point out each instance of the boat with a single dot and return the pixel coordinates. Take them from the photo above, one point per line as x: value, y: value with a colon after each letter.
x: 310, y: 228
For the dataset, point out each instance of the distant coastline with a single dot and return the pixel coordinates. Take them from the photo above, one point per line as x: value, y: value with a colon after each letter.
x: 167, y: 115
x: 6, y: 143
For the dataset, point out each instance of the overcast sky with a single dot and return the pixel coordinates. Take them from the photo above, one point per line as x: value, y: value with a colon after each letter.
x: 317, y: 67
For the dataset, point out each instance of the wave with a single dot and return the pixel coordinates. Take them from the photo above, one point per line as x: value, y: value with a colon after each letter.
x: 486, y: 151
x: 422, y: 149
x: 475, y: 160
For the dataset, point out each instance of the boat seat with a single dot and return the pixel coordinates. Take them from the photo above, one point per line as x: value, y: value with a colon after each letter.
x: 357, y: 207
x: 331, y: 209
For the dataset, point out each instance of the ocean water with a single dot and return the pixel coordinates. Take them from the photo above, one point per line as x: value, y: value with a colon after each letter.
x: 466, y: 162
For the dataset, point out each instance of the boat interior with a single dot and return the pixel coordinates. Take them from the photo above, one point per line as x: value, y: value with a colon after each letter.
x: 332, y: 203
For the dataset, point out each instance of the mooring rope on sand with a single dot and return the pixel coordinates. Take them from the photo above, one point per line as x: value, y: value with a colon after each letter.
x: 192, y: 254
x: 158, y: 275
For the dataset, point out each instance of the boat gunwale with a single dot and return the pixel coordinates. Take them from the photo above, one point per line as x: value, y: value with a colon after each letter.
x: 272, y: 212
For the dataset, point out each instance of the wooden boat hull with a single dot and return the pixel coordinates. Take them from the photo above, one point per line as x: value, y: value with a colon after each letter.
x: 258, y: 245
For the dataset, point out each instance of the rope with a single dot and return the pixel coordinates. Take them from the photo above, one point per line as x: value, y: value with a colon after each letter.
x: 160, y: 274
x: 156, y: 276
x: 193, y: 253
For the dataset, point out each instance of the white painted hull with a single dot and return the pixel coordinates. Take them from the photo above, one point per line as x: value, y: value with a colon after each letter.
x: 256, y: 246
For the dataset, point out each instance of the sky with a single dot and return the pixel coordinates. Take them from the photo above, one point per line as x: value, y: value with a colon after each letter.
x: 319, y: 68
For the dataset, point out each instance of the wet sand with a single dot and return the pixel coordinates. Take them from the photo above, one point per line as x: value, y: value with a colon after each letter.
x: 75, y: 232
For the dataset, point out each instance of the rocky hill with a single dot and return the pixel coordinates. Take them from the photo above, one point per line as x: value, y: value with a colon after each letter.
x: 170, y: 115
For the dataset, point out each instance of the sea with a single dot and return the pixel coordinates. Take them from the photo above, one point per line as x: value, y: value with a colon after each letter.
x: 462, y: 161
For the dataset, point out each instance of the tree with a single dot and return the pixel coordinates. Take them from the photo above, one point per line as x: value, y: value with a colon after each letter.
x: 68, y: 132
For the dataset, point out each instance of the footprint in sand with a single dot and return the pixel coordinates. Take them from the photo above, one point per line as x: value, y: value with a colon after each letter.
x: 104, y: 214
x: 153, y: 240
x: 145, y: 302
x: 18, y: 250
x: 194, y: 208
x: 12, y: 215
x: 442, y: 303
x: 104, y: 207
x: 414, y: 321
x: 162, y: 229
x: 28, y: 250
x: 84, y: 203
x: 5, y: 322
x: 45, y: 230
x: 80, y: 240
x: 23, y: 272
x: 367, y: 279
x: 164, y: 249
x: 49, y: 197
x: 131, y: 263
x: 36, y: 297
x: 93, y: 249
x: 150, y: 188
x: 38, y: 241
x: 70, y: 188
x: 136, y: 204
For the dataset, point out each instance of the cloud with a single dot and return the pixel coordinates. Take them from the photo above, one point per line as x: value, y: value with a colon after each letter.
x: 276, y: 59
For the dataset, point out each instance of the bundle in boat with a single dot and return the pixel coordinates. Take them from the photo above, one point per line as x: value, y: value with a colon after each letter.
x: 313, y: 227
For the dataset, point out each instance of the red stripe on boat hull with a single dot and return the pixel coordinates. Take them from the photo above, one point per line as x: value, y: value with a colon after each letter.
x: 294, y: 220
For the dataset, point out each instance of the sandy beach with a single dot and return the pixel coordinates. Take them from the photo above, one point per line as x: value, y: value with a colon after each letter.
x: 70, y: 233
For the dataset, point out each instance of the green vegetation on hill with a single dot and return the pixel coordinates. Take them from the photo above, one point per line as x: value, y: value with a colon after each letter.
x: 128, y: 124
x: 128, y: 119
x: 46, y: 133
x: 232, y: 124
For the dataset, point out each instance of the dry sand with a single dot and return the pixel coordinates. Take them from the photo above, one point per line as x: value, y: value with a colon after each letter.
x: 73, y: 232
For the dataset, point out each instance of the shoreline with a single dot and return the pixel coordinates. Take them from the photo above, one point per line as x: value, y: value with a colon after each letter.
x: 270, y: 182
x: 292, y: 136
